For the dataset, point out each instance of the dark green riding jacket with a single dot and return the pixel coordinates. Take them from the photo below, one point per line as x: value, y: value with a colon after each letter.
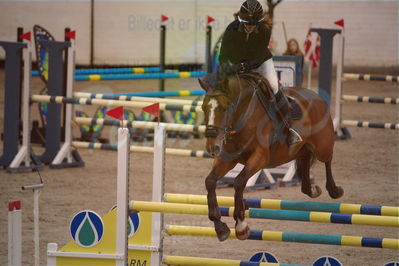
x: 236, y: 48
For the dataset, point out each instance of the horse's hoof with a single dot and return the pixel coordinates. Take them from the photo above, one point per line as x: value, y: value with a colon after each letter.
x: 242, y: 231
x: 222, y: 231
x: 315, y: 191
x: 336, y: 193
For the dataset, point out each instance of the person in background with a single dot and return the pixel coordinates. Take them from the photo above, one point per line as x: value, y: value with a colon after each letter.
x: 293, y: 49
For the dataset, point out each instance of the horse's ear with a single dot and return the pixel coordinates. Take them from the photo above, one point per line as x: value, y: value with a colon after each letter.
x: 204, y: 85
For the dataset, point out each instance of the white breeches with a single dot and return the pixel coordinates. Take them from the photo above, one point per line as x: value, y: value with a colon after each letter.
x: 267, y: 70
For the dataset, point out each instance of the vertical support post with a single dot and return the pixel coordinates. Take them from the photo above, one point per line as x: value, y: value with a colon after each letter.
x: 36, y: 194
x: 325, y: 69
x: 91, y: 33
x: 338, y: 85
x: 310, y: 76
x: 64, y: 92
x: 14, y: 234
x: 122, y: 196
x: 341, y: 132
x: 20, y: 32
x: 67, y: 156
x: 55, y: 88
x: 158, y: 183
x: 162, y: 56
x: 13, y: 77
x: 208, y: 45
x: 26, y: 103
x: 25, y: 159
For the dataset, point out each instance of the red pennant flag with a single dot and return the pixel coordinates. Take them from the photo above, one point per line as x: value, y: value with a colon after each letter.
x: 25, y: 36
x: 71, y: 34
x: 14, y: 205
x: 116, y: 113
x: 340, y: 22
x: 209, y: 19
x: 152, y: 109
x: 164, y: 18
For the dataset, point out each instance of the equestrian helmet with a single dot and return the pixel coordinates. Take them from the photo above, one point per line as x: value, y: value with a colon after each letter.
x: 251, y: 12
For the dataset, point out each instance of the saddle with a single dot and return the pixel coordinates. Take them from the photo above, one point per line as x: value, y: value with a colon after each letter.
x: 295, y: 112
x: 265, y: 95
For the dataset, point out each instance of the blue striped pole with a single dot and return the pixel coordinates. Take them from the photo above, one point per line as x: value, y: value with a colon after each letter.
x: 355, y: 123
x: 102, y: 71
x: 368, y: 99
x: 287, y: 215
x: 144, y: 149
x: 288, y: 204
x: 109, y: 103
x: 158, y: 93
x: 195, y: 261
x: 135, y: 98
x: 139, y: 124
x: 369, y: 77
x: 339, y: 240
x: 194, y: 74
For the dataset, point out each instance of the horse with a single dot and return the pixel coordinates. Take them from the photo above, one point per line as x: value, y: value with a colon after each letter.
x: 240, y: 129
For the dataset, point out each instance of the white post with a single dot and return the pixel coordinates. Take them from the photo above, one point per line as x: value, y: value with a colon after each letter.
x: 65, y: 151
x: 309, y: 75
x: 36, y: 194
x: 338, y: 85
x: 24, y: 152
x: 14, y: 234
x: 158, y: 183
x: 51, y: 248
x: 122, y: 196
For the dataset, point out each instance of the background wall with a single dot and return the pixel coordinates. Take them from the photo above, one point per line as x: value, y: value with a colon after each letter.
x: 126, y: 32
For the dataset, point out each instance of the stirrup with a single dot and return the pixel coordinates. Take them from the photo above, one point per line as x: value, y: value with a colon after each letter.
x: 297, y: 139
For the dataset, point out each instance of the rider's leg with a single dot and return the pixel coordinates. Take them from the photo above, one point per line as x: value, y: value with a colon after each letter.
x: 281, y: 102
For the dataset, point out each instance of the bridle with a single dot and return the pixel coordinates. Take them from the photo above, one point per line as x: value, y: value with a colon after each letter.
x: 212, y: 131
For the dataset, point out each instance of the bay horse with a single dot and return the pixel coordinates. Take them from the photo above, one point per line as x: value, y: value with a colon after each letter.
x: 239, y: 129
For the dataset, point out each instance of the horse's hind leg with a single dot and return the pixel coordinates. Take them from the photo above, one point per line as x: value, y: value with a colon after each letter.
x: 219, y: 169
x: 304, y: 161
x: 334, y: 191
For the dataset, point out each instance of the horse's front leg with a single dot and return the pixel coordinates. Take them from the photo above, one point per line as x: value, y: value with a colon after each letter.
x: 240, y: 182
x: 219, y: 169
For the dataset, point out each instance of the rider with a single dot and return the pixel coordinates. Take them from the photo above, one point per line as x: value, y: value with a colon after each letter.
x: 245, y: 48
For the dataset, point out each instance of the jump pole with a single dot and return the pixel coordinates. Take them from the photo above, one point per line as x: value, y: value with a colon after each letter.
x: 136, y: 99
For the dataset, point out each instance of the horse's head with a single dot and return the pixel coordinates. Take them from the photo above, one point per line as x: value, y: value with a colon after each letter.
x: 215, y: 106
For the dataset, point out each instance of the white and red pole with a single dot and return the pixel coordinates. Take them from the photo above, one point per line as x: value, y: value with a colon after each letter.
x: 14, y: 233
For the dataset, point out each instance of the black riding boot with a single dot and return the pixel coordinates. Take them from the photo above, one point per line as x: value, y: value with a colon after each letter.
x: 284, y: 114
